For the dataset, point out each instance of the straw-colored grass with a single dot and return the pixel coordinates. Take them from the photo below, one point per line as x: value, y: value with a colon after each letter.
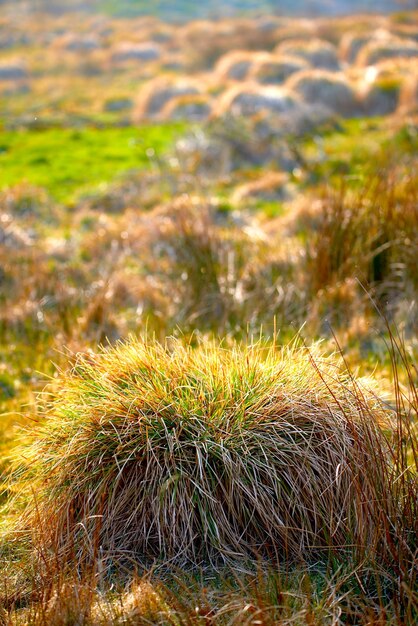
x: 205, y: 454
x: 320, y: 54
x: 369, y: 234
x: 276, y: 69
x: 235, y: 64
x: 155, y: 95
x: 386, y: 48
x: 249, y: 98
x: 330, y: 90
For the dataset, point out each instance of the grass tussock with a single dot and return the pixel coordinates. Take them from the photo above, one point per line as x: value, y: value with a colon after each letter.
x: 310, y: 405
x: 206, y: 454
x: 368, y: 233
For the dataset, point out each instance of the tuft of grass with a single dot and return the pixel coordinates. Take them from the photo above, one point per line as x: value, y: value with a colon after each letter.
x: 376, y: 585
x: 218, y: 277
x: 369, y: 234
x: 206, y: 454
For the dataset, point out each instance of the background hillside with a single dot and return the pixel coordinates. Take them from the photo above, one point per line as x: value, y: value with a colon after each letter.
x: 189, y: 9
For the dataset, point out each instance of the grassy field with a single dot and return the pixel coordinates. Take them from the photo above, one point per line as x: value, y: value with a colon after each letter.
x: 208, y: 322
x: 65, y: 161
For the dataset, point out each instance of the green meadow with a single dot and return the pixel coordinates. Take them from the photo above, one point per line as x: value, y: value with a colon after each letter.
x: 67, y: 161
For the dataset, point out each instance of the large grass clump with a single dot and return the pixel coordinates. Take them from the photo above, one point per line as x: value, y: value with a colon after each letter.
x: 206, y: 454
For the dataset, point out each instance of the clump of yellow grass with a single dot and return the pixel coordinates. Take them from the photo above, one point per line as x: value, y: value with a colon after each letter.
x: 330, y: 90
x: 319, y: 53
x: 158, y: 92
x: 206, y: 454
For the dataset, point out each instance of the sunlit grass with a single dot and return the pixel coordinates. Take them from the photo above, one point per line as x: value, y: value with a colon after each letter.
x: 67, y: 161
x: 353, y: 149
x: 206, y: 453
x: 279, y: 452
x: 197, y: 446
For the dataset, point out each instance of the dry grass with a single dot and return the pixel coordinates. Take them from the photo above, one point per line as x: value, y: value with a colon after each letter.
x: 271, y: 186
x: 386, y: 48
x: 249, y: 98
x: 275, y: 69
x: 206, y: 454
x: 318, y: 53
x: 267, y: 597
x: 322, y: 477
x: 217, y: 277
x: 192, y: 108
x: 370, y: 234
x: 235, y: 65
x: 158, y: 92
x: 205, y: 41
x: 330, y: 90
